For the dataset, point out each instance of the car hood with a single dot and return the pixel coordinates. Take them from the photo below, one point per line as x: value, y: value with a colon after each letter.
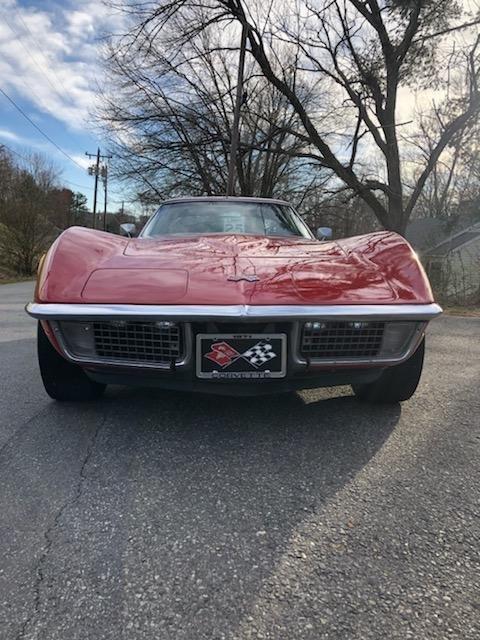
x: 229, y: 245
x: 86, y: 266
x: 236, y: 269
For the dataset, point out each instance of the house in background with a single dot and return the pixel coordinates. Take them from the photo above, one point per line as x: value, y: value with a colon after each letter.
x: 450, y: 254
x: 454, y: 266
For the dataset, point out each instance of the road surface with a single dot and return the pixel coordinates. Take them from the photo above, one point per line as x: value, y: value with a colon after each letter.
x: 160, y: 515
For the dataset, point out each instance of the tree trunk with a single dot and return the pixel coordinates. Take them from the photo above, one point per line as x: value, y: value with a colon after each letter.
x: 397, y: 220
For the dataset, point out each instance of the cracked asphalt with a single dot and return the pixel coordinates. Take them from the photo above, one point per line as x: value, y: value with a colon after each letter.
x: 160, y: 515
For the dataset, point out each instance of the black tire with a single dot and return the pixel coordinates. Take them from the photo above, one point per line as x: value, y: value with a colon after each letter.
x: 63, y: 380
x: 397, y: 383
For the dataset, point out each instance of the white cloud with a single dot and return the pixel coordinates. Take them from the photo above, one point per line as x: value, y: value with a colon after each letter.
x: 5, y: 134
x: 26, y: 146
x: 80, y: 22
x: 83, y: 161
x: 49, y: 54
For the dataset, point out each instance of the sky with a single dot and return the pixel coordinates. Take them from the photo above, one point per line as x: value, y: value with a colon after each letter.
x: 49, y: 66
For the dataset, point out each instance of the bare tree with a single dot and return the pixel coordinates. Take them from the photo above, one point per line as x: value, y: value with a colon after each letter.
x: 452, y: 190
x: 362, y: 54
x: 170, y: 122
x: 32, y: 211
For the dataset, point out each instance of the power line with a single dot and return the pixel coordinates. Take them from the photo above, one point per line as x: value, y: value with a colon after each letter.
x: 2, y: 144
x: 20, y: 110
x: 30, y: 55
x: 39, y: 48
x: 75, y: 184
x: 31, y: 91
x: 28, y: 87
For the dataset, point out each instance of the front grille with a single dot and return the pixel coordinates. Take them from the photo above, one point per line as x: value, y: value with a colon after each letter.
x: 137, y: 341
x: 329, y: 340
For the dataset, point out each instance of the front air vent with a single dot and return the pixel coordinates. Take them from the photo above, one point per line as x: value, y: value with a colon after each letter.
x: 138, y: 341
x: 341, y: 339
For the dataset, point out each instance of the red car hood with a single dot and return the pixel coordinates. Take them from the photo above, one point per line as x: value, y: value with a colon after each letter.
x: 96, y: 267
x: 235, y: 269
x: 224, y: 245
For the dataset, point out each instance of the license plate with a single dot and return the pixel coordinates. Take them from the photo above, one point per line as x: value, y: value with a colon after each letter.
x: 240, y: 356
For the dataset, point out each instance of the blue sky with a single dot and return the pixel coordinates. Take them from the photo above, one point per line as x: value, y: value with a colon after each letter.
x: 49, y: 65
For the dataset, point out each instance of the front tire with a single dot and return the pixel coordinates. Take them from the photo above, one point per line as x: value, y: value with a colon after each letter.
x: 397, y: 383
x: 63, y: 380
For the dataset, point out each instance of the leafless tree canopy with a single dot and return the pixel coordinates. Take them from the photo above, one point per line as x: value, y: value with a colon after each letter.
x: 33, y: 209
x: 333, y: 77
x: 170, y: 123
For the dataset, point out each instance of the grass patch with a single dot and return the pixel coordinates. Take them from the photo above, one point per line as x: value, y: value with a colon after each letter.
x: 470, y: 312
x: 14, y: 279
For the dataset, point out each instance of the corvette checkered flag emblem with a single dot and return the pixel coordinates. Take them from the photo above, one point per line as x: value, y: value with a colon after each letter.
x: 259, y: 354
x: 224, y: 354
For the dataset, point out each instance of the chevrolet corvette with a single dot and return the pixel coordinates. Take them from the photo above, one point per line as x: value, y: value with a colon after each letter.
x: 231, y: 295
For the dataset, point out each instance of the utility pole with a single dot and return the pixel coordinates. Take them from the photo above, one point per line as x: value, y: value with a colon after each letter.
x: 104, y: 174
x: 94, y: 170
x: 236, y: 115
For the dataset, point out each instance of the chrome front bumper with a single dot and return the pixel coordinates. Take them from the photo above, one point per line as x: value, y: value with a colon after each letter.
x: 189, y: 314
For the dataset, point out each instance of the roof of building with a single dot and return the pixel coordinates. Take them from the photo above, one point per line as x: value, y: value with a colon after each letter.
x: 455, y: 241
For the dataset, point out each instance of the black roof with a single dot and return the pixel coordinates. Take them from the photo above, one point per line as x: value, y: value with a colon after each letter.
x: 224, y: 199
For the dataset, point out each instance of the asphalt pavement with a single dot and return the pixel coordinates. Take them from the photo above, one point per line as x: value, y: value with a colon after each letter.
x: 161, y: 515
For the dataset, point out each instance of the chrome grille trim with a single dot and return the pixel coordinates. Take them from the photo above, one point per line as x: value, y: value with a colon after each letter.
x: 364, y: 361
x: 183, y: 360
x: 341, y: 339
x: 136, y: 341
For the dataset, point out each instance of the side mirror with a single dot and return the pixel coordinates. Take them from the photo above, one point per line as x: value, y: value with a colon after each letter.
x: 128, y: 229
x: 324, y: 233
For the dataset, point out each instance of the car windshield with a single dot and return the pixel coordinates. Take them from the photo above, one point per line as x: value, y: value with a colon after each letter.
x: 206, y: 217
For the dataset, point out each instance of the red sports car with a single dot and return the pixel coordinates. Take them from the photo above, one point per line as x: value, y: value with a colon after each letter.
x: 231, y: 295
